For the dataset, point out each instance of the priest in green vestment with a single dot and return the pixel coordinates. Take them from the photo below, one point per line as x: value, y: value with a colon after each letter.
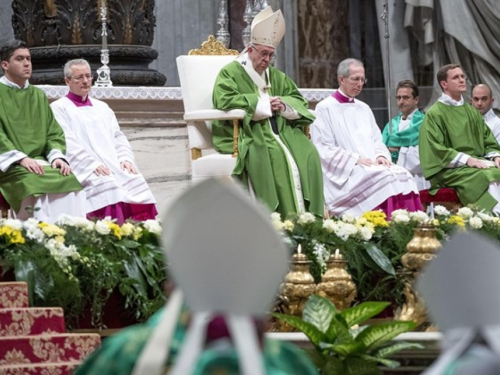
x: 276, y: 159
x: 457, y: 149
x: 35, y: 178
x: 401, y: 134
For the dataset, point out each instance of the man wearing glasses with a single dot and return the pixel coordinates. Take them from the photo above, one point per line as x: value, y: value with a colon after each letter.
x: 401, y: 135
x: 35, y: 178
x: 100, y: 154
x: 276, y: 160
x: 358, y: 174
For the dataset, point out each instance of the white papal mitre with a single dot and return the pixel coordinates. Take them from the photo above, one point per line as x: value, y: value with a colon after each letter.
x: 268, y: 28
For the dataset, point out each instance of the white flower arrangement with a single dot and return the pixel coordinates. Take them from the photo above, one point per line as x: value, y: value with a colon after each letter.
x: 465, y: 212
x: 441, y: 210
x: 475, y: 222
x: 306, y: 218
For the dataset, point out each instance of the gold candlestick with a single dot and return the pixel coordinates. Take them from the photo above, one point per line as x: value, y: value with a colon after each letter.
x: 336, y: 284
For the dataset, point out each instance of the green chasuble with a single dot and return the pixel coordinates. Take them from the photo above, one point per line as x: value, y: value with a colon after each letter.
x: 261, y: 159
x: 119, y: 353
x: 404, y: 138
x: 448, y: 130
x: 28, y: 125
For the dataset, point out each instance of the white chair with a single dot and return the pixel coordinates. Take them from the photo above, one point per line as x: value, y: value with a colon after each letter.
x: 197, y: 72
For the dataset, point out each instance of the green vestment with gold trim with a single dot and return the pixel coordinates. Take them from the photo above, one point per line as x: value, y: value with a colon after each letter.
x: 260, y: 157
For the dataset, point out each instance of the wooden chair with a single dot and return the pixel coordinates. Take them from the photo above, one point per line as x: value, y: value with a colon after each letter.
x: 197, y: 72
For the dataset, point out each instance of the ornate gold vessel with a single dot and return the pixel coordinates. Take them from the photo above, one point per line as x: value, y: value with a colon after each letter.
x: 297, y: 287
x: 420, y: 250
x: 336, y: 284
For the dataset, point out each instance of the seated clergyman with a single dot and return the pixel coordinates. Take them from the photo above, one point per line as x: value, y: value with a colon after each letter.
x: 101, y: 156
x: 401, y: 134
x: 457, y: 149
x: 35, y: 178
x: 276, y: 160
x: 358, y: 174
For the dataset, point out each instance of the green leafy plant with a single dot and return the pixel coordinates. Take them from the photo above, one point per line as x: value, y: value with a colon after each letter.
x: 79, y: 264
x: 342, y: 348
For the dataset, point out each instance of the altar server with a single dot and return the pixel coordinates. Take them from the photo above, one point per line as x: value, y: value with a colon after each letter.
x: 358, y: 175
x: 100, y: 154
x: 35, y: 178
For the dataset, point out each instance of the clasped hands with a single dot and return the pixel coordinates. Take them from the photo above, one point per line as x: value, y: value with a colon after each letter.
x: 477, y: 163
x: 277, y: 104
x: 32, y: 166
x: 380, y: 160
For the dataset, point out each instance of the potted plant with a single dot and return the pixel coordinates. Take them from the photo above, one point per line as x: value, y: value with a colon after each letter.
x: 340, y: 346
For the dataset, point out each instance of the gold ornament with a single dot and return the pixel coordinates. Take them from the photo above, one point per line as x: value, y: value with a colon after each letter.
x: 296, y: 289
x: 336, y: 284
x: 420, y: 250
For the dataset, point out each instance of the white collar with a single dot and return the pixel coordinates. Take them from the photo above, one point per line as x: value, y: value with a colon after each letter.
x: 408, y: 118
x: 259, y: 79
x: 9, y: 83
x: 489, y: 115
x: 448, y: 100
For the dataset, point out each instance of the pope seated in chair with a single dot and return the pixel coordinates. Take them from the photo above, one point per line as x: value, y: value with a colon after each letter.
x: 276, y: 160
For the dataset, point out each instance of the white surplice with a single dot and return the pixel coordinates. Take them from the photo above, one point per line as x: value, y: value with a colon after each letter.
x: 94, y: 138
x: 409, y: 157
x: 493, y: 123
x: 342, y: 133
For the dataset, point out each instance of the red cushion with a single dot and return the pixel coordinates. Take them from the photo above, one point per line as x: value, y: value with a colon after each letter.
x: 442, y: 195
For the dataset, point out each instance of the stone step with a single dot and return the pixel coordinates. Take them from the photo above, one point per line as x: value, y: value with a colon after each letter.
x: 62, y: 368
x: 57, y: 348
x: 31, y: 321
x: 13, y: 294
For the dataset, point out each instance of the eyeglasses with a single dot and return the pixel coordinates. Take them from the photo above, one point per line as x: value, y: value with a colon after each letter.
x: 82, y: 76
x: 265, y: 54
x: 361, y: 80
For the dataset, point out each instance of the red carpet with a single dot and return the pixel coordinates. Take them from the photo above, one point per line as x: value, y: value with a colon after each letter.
x: 34, y: 340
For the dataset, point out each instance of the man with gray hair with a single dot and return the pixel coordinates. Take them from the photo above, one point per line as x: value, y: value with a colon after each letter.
x: 100, y: 153
x: 358, y: 175
x: 276, y: 160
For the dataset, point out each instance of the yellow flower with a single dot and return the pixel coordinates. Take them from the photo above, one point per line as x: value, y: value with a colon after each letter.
x: 52, y: 230
x: 137, y: 233
x: 115, y: 229
x: 59, y: 239
x: 288, y: 225
x: 5, y: 231
x: 455, y: 219
x: 377, y: 218
x: 42, y: 224
x: 17, y: 237
x: 127, y: 229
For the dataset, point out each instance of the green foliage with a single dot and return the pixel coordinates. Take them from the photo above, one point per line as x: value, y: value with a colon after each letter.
x: 78, y: 265
x: 341, y: 348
